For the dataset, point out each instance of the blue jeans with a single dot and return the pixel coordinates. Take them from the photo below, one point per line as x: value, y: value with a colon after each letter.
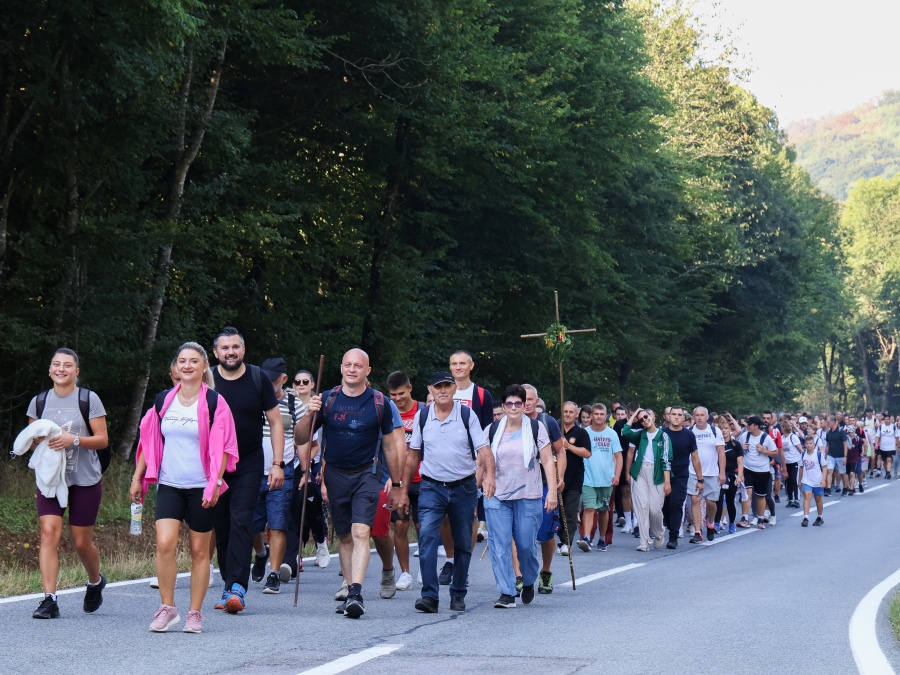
x: 508, y: 520
x: 458, y: 503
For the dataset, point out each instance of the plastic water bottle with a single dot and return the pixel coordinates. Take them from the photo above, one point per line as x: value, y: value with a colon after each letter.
x: 137, y: 512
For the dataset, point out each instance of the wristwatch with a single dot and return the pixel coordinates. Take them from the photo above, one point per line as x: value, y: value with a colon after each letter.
x: 219, y: 482
x: 281, y: 464
x: 77, y: 441
x: 396, y: 484
x: 699, y: 480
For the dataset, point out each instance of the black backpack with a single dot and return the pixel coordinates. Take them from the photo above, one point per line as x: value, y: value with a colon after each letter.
x: 84, y: 405
x: 212, y: 402
x: 464, y: 413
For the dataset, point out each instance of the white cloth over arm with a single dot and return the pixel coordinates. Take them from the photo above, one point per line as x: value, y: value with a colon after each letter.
x: 49, y: 465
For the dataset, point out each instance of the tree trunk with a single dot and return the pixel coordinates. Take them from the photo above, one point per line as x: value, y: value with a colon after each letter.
x: 186, y: 150
x: 864, y: 367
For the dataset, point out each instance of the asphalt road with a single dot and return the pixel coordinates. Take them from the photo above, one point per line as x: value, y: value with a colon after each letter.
x: 778, y: 600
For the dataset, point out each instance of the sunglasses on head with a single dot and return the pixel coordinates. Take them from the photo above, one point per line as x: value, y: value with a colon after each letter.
x: 303, y: 381
x: 513, y: 404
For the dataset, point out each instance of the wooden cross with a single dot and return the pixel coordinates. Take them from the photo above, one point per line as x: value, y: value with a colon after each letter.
x: 562, y: 397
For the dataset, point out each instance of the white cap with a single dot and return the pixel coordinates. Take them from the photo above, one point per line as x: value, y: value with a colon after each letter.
x: 802, y: 420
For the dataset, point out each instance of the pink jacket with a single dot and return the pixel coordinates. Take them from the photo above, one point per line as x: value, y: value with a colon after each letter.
x: 217, y: 442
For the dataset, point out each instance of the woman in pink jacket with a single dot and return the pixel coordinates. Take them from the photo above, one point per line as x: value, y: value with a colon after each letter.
x: 186, y: 450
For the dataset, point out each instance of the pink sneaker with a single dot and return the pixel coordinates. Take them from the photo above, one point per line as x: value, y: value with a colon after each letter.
x: 194, y: 622
x: 164, y: 619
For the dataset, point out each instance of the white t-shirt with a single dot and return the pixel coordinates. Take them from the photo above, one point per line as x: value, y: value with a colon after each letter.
x: 791, y: 453
x: 649, y: 456
x: 181, y: 464
x: 888, y: 435
x: 464, y: 396
x: 870, y: 423
x: 708, y: 442
x: 812, y: 468
x: 753, y: 459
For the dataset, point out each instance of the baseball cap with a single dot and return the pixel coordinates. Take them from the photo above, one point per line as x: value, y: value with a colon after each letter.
x: 802, y: 420
x: 440, y: 377
x: 274, y: 367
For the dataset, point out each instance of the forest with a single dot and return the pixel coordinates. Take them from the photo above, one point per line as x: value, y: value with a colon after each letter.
x: 412, y: 178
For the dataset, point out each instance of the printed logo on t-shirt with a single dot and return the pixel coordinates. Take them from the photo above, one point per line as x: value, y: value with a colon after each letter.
x: 601, y: 444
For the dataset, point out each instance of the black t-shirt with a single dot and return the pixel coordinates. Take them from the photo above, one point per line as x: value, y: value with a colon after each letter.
x: 835, y: 441
x: 574, y: 478
x: 248, y: 407
x: 351, y: 432
x: 683, y: 444
x: 733, y: 450
x: 617, y: 427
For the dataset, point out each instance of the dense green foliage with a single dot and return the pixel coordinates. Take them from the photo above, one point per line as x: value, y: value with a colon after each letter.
x: 408, y: 177
x: 838, y: 150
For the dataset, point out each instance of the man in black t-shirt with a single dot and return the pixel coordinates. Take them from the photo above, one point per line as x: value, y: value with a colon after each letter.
x: 578, y: 447
x: 684, y: 451
x: 250, y: 396
x: 622, y: 494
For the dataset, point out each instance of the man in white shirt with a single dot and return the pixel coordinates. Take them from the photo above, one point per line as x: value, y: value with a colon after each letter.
x: 711, y: 450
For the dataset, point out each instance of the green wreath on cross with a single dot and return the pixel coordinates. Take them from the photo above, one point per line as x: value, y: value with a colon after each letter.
x: 559, y: 343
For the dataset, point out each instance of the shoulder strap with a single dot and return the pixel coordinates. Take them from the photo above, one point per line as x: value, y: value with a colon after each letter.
x: 256, y: 375
x: 480, y: 392
x: 379, y: 406
x: 212, y: 402
x: 329, y: 403
x: 160, y: 401
x: 40, y: 403
x: 292, y: 400
x: 535, y: 430
x: 492, y: 431
x: 423, y: 417
x: 84, y: 405
x: 465, y: 415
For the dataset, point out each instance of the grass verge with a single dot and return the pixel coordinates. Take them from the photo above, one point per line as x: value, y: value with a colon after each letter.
x: 894, y: 615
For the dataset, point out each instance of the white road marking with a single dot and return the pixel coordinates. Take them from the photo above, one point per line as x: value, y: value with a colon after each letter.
x: 727, y: 537
x: 351, y: 660
x: 863, y: 636
x: 600, y: 575
x: 877, y: 487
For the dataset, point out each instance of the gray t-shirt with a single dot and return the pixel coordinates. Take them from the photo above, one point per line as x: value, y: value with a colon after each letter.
x: 82, y: 465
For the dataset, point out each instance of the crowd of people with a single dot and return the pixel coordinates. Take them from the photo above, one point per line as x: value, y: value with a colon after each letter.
x: 257, y: 463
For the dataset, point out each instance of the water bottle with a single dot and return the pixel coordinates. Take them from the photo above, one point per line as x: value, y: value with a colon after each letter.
x: 137, y: 512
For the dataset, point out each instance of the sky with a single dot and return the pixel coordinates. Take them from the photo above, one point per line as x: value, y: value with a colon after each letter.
x: 809, y: 58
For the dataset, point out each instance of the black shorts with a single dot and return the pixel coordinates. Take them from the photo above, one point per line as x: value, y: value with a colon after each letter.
x: 413, y: 513
x: 852, y: 466
x: 185, y: 504
x: 885, y: 454
x: 758, y: 481
x: 353, y: 498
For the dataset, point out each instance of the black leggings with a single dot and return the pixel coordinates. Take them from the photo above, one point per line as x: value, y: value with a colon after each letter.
x: 791, y: 481
x: 727, y: 495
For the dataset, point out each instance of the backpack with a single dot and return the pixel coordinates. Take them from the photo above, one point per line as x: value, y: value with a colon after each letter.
x: 212, y: 402
x: 379, y: 410
x: 255, y: 375
x: 464, y: 413
x: 535, y: 428
x: 84, y: 406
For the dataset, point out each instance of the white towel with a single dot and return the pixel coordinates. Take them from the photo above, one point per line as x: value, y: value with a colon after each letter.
x: 49, y: 465
x: 527, y: 439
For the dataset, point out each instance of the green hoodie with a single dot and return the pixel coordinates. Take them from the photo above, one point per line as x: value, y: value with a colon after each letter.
x: 662, y: 449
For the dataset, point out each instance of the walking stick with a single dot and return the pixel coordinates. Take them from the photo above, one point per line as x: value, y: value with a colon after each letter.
x: 562, y: 511
x: 312, y: 421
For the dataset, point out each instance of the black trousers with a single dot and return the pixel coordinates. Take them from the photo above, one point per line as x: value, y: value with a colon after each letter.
x: 571, y: 502
x: 234, y: 524
x: 791, y: 480
x: 726, y: 499
x: 673, y: 507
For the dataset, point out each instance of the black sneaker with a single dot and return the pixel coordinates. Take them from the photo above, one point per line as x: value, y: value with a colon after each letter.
x: 862, y: 488
x: 505, y: 602
x: 48, y: 609
x: 446, y: 575
x: 710, y: 533
x: 355, y: 607
x: 819, y: 521
x: 458, y: 604
x: 93, y: 596
x: 273, y: 584
x: 341, y: 608
x: 805, y: 522
x: 697, y: 538
x: 827, y: 492
x: 887, y: 476
x: 527, y: 594
x: 519, y: 584
x: 258, y: 571
x: 545, y: 584
x: 777, y: 499
x: 673, y: 542
x: 428, y: 605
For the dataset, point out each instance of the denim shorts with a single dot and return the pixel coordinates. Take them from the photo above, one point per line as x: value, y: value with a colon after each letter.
x: 273, y: 507
x: 549, y: 523
x: 836, y: 464
x: 817, y: 491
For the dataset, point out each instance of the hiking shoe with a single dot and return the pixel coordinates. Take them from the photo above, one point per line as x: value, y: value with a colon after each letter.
x: 343, y: 592
x: 711, y: 533
x: 458, y: 604
x: 323, y: 557
x: 93, y: 596
x: 446, y: 575
x: 584, y: 544
x: 221, y: 603
x: 643, y: 548
x: 355, y: 607
x: 527, y: 594
x: 404, y: 581
x: 505, y: 602
x: 341, y: 608
x: 388, y: 584
x: 673, y: 542
x: 696, y: 539
x: 732, y: 528
x: 519, y: 584
x: 258, y: 571
x: 48, y: 609
x: 165, y: 617
x: 545, y: 583
x: 601, y: 546
x: 235, y: 601
x: 427, y: 604
x: 193, y: 623
x: 818, y: 521
x: 273, y: 584
x: 805, y: 522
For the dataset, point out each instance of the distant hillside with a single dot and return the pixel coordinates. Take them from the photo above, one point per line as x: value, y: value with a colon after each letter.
x: 863, y: 143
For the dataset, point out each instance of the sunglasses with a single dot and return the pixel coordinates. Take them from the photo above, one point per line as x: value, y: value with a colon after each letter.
x: 513, y: 404
x: 302, y: 381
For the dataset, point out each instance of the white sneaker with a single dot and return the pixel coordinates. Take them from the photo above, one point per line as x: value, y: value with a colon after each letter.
x: 659, y: 541
x: 404, y: 581
x: 771, y: 520
x: 154, y: 583
x: 681, y: 532
x: 627, y: 528
x: 643, y: 548
x: 343, y: 592
x: 284, y: 573
x: 754, y: 521
x: 323, y: 557
x: 442, y: 552
x: 482, y: 534
x: 564, y: 550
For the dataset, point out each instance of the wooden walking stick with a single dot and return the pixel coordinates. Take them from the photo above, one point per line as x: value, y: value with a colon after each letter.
x: 312, y: 421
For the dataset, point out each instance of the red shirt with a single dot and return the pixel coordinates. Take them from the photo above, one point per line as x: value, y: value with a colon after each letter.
x: 408, y: 418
